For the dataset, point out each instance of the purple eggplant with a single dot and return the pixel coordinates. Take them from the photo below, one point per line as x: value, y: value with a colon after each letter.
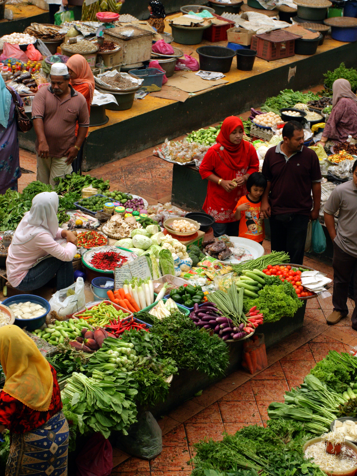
x: 224, y: 331
x: 207, y: 326
x: 195, y: 307
x: 200, y: 323
x: 212, y: 322
x: 226, y: 337
x: 241, y: 327
x: 208, y: 303
x: 222, y: 320
x: 239, y: 335
x: 217, y: 328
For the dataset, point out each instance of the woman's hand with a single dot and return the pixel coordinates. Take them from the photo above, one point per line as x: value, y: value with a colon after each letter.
x: 228, y: 185
x: 69, y: 236
x: 244, y: 207
x: 240, y: 181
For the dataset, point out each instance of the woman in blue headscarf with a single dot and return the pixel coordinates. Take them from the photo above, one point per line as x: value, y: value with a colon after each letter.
x: 9, y: 144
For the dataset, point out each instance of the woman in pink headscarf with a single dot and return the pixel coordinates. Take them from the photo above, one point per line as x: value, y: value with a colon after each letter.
x: 343, y: 119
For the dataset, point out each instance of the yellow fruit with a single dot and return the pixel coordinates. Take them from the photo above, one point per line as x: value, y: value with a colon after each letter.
x: 79, y: 222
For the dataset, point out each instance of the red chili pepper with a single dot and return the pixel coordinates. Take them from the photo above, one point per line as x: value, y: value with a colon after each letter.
x: 108, y: 261
x: 90, y: 239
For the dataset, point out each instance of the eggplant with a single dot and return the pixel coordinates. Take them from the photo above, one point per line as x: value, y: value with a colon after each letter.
x: 222, y: 320
x: 192, y: 314
x: 224, y: 331
x: 207, y: 304
x: 226, y: 337
x: 241, y: 327
x: 195, y: 307
x: 207, y: 326
x: 217, y: 328
x: 239, y: 335
x: 212, y: 321
x: 200, y: 323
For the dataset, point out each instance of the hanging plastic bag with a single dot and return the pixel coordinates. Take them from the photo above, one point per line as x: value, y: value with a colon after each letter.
x: 13, y: 51
x: 63, y: 16
x: 187, y: 64
x: 33, y: 54
x: 69, y: 300
x: 308, y: 237
x: 163, y: 48
x: 156, y: 64
x: 318, y: 237
x: 96, y: 458
x: 144, y: 439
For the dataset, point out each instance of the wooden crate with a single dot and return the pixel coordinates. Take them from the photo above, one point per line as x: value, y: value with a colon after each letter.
x: 274, y: 45
x: 135, y: 48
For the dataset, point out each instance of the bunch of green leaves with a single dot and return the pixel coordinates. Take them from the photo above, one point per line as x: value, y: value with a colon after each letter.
x: 74, y: 183
x: 191, y: 348
x: 4, y: 451
x: 62, y: 217
x: 68, y: 360
x: 287, y: 98
x: 33, y: 189
x: 153, y: 374
x: 337, y: 370
x: 275, y: 301
x: 100, y: 403
x: 341, y: 72
x: 247, y: 125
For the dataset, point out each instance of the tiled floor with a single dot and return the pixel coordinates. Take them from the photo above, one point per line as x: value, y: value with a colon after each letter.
x: 219, y: 408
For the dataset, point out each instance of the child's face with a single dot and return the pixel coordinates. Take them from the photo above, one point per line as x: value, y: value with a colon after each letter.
x: 256, y: 192
x: 149, y: 8
x: 253, y: 227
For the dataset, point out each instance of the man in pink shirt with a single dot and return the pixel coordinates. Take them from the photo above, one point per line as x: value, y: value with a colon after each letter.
x: 35, y: 256
x: 55, y: 112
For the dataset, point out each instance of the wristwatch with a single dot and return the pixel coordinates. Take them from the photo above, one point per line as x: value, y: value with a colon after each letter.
x: 78, y: 148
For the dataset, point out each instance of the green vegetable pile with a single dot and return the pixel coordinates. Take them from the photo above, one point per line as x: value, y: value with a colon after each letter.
x: 274, y: 258
x: 275, y: 301
x: 188, y: 296
x: 68, y: 360
x: 191, y: 348
x: 94, y: 204
x: 287, y: 98
x: 73, y: 183
x: 195, y: 254
x: 204, y: 136
x: 118, y: 196
x: 327, y: 110
x: 341, y: 72
x: 247, y: 125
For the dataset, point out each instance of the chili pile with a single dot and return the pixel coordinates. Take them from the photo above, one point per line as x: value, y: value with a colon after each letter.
x: 107, y: 260
x: 117, y: 328
x: 90, y: 239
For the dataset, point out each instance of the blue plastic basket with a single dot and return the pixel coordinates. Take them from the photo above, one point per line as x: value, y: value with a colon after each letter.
x: 36, y: 322
x: 86, y: 210
x: 151, y: 76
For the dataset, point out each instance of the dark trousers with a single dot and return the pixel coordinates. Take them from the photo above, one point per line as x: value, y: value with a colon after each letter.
x: 77, y: 163
x: 288, y: 233
x: 52, y: 10
x: 44, y: 271
x: 230, y: 229
x: 343, y: 268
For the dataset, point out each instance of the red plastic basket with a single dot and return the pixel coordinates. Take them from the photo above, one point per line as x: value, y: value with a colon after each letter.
x: 218, y: 32
x: 107, y: 17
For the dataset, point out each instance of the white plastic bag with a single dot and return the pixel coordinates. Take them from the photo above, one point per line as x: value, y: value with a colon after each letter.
x: 65, y: 304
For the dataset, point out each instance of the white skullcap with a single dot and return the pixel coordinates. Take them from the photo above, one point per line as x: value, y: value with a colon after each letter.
x: 59, y: 69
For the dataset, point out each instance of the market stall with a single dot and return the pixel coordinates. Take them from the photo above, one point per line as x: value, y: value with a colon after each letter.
x: 154, y: 296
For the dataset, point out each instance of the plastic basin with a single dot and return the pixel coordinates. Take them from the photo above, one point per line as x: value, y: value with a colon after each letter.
x: 350, y: 9
x: 215, y: 58
x: 168, y: 65
x: 205, y: 220
x: 98, y: 288
x: 245, y: 59
x: 344, y: 34
x: 310, y: 13
x: 36, y: 322
x: 150, y: 76
x: 220, y: 8
x: 196, y: 8
x: 125, y: 100
x: 285, y: 117
x: 188, y: 35
x: 307, y: 46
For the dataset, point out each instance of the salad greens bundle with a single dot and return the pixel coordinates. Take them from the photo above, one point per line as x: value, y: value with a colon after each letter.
x: 341, y: 72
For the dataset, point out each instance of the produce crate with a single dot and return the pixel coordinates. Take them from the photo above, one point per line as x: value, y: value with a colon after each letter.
x: 218, y: 32
x: 275, y: 332
x: 274, y: 45
x: 85, y: 210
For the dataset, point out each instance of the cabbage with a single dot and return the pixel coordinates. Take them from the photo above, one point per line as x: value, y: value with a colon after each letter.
x: 166, y: 262
x: 137, y: 251
x: 142, y: 242
x: 139, y: 231
x: 152, y: 229
x: 157, y: 238
x: 125, y: 243
x: 155, y: 249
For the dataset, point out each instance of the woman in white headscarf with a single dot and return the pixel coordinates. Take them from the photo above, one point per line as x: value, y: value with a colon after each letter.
x: 343, y: 119
x: 35, y: 256
x: 9, y: 144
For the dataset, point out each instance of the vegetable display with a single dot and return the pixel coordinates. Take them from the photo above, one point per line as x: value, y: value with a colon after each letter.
x: 287, y: 98
x: 58, y: 332
x: 135, y: 295
x: 107, y: 260
x: 204, y: 136
x: 292, y: 275
x: 274, y: 258
x: 90, y: 239
x: 341, y: 72
x: 188, y: 295
x: 75, y: 182
x: 196, y: 255
x: 118, y: 328
x: 101, y: 315
x: 94, y: 204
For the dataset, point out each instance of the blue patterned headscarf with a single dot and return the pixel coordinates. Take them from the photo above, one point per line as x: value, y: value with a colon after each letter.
x: 5, y: 103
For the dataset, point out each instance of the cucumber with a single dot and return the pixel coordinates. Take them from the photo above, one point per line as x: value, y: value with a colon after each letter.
x: 259, y: 273
x: 249, y: 280
x: 250, y: 293
x: 254, y: 276
x: 350, y: 393
x: 247, y: 286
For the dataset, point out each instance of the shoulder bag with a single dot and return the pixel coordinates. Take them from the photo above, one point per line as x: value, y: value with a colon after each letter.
x: 24, y: 124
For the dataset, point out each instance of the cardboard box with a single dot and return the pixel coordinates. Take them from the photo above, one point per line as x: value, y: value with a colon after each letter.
x: 240, y: 36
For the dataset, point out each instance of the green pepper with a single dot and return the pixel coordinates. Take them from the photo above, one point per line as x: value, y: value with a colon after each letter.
x: 173, y: 292
x: 177, y: 298
x: 197, y: 299
x: 199, y: 293
x: 181, y: 290
x: 186, y: 296
x: 191, y: 290
x: 189, y: 303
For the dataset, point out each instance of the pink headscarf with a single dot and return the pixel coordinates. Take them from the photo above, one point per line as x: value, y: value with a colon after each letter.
x: 341, y: 88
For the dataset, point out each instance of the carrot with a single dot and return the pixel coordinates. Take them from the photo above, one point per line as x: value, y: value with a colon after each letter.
x: 117, y: 294
x: 264, y: 353
x: 122, y: 293
x: 111, y: 296
x: 128, y: 305
x: 254, y: 359
x: 132, y: 301
x: 122, y: 303
x: 249, y: 362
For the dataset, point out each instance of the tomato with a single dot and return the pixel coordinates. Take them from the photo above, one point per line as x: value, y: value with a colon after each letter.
x: 295, y: 287
x: 268, y: 273
x: 288, y: 267
x: 269, y: 266
x: 298, y: 283
x: 265, y: 270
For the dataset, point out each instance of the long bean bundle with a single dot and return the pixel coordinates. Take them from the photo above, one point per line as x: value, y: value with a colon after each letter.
x: 274, y: 258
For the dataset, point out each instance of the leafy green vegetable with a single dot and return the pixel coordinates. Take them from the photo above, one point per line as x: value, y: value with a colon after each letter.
x: 68, y: 360
x: 336, y: 370
x: 4, y: 451
x: 73, y: 183
x: 274, y: 258
x: 341, y: 72
x: 275, y: 301
x: 166, y: 262
x: 287, y: 98
x: 191, y: 348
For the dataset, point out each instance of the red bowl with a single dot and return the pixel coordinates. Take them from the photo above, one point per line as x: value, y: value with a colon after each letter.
x: 107, y: 17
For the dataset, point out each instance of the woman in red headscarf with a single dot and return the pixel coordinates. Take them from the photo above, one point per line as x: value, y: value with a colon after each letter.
x: 227, y: 166
x: 82, y: 80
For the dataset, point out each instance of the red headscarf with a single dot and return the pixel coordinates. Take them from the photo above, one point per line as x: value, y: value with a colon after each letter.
x: 233, y: 155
